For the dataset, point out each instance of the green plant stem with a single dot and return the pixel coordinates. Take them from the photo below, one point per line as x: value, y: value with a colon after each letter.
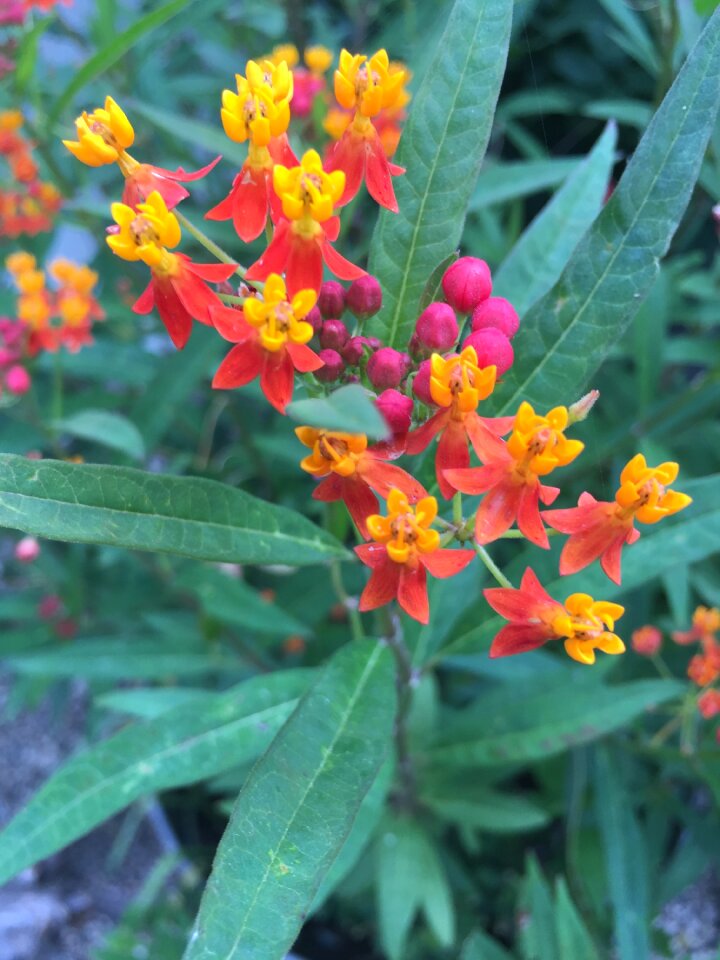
x: 212, y: 247
x: 230, y: 298
x: 347, y: 601
x: 457, y: 510
x: 57, y: 390
x: 661, y: 667
x: 491, y: 565
x: 405, y: 681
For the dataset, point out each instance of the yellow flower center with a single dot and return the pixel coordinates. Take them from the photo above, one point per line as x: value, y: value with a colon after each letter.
x: 644, y: 493
x: 405, y: 530
x: 587, y: 625
x: 458, y: 382
x: 368, y: 86
x: 145, y: 233
x: 331, y: 452
x: 307, y: 192
x: 277, y: 319
x: 538, y: 444
x: 260, y: 110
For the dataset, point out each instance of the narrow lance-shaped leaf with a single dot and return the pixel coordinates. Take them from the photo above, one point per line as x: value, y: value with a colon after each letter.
x: 182, y: 746
x: 128, y: 508
x: 296, y: 810
x: 442, y: 148
x: 567, y: 334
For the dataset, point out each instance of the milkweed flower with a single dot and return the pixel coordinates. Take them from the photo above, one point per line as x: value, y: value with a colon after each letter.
x: 586, y: 625
x: 350, y: 471
x: 366, y: 86
x: 303, y: 235
x: 601, y: 529
x: 709, y: 704
x: 457, y: 386
x: 270, y: 337
x: 705, y: 624
x: 646, y: 641
x: 510, y: 478
x: 177, y: 289
x: 103, y: 137
x: 259, y: 114
x: 404, y: 551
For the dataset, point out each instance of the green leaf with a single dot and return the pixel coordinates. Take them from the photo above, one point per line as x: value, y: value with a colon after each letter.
x: 108, y: 429
x: 625, y: 859
x: 537, y: 935
x: 442, y: 148
x: 633, y: 36
x: 573, y: 939
x: 567, y: 334
x: 128, y: 508
x: 26, y: 57
x: 180, y: 747
x: 538, y: 258
x: 544, y: 721
x: 297, y: 809
x: 194, y: 132
x: 501, y: 182
x: 151, y: 702
x: 113, y: 51
x: 350, y: 409
x: 489, y: 811
x: 433, y: 288
x: 479, y: 946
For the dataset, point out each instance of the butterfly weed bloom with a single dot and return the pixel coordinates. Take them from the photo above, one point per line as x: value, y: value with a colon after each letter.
x: 350, y: 471
x: 705, y: 624
x: 104, y: 136
x: 178, y: 286
x: 510, y: 478
x: 585, y: 624
x: 404, y: 550
x: 366, y: 87
x: 270, y: 337
x: 259, y: 114
x: 458, y: 385
x: 303, y: 235
x: 600, y: 529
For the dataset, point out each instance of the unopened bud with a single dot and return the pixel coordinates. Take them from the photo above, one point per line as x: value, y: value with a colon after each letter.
x: 333, y: 366
x: 421, y: 384
x: 353, y: 350
x: 315, y: 319
x: 387, y: 368
x: 364, y: 297
x: 27, y: 550
x: 396, y: 409
x: 437, y: 327
x: 581, y: 408
x: 334, y: 335
x: 17, y: 380
x: 466, y: 283
x: 492, y: 348
x: 646, y: 641
x: 496, y: 312
x: 331, y: 299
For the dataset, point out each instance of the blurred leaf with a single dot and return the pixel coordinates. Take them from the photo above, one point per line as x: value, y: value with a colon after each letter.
x: 182, y: 746
x: 297, y: 809
x: 151, y: 702
x: 501, y: 182
x: 194, y: 132
x: 538, y: 258
x: 489, y: 811
x: 479, y: 946
x: 537, y: 933
x: 634, y: 37
x: 26, y: 56
x: 442, y: 146
x: 567, y: 334
x: 141, y: 511
x: 624, y: 856
x: 573, y: 939
x: 349, y: 409
x: 108, y: 429
x: 634, y: 113
x: 113, y: 51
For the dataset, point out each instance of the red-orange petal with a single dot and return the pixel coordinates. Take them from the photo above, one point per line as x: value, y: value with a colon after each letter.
x: 360, y: 501
x: 239, y: 367
x: 412, y: 592
x: 348, y: 155
x: 378, y: 175
x: 518, y: 638
x: 419, y: 439
x: 497, y: 511
x: 304, y: 359
x: 274, y: 259
x: 452, y: 454
x: 277, y: 378
x: 382, y: 587
x: 338, y: 265
x: 146, y: 301
x: 382, y: 477
x: 446, y: 563
x: 529, y: 520
x: 173, y: 313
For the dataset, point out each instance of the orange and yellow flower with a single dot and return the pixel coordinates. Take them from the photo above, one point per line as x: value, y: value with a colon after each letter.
x: 177, y: 288
x: 705, y: 624
x: 601, y: 529
x: 585, y: 624
x: 404, y: 550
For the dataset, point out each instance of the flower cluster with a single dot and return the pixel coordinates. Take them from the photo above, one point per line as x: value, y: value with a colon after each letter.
x: 29, y: 204
x: 52, y: 318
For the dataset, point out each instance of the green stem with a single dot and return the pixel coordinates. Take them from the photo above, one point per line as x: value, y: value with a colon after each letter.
x: 212, y: 247
x: 57, y: 391
x: 491, y: 565
x: 457, y: 510
x: 405, y: 682
x: 348, y: 602
x: 230, y: 298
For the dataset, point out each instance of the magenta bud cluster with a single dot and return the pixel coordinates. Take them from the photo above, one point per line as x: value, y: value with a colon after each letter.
x: 14, y: 378
x: 339, y: 350
x: 387, y: 368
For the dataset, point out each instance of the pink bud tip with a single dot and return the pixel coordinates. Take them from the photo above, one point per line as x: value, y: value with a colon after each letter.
x: 496, y: 312
x: 315, y: 319
x: 437, y: 327
x: 492, y: 348
x: 27, y: 550
x: 17, y: 380
x: 466, y: 283
x: 353, y: 350
x: 581, y: 408
x: 387, y: 368
x: 331, y: 299
x: 396, y: 408
x: 421, y: 384
x: 333, y: 335
x: 333, y: 366
x: 364, y: 297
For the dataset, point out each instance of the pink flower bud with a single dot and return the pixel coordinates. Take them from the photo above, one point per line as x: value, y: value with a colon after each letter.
x: 333, y: 335
x: 334, y: 366
x: 492, y: 348
x: 496, y: 312
x: 49, y: 606
x: 581, y: 408
x: 353, y: 350
x: 17, y: 380
x: 27, y: 550
x: 397, y: 409
x: 315, y: 319
x: 646, y: 641
x: 466, y: 283
x: 387, y: 368
x: 421, y: 384
x: 66, y: 628
x: 364, y: 297
x: 437, y: 327
x: 331, y: 299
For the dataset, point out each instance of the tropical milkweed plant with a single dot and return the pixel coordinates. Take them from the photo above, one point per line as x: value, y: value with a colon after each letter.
x: 380, y: 599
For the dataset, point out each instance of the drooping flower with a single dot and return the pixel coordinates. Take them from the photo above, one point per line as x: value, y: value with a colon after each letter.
x: 103, y: 137
x: 586, y: 625
x: 259, y: 114
x: 601, y: 529
x: 303, y: 235
x: 510, y: 478
x: 178, y: 287
x: 270, y: 337
x: 705, y: 624
x: 404, y: 551
x: 457, y: 386
x: 351, y: 471
x: 366, y: 86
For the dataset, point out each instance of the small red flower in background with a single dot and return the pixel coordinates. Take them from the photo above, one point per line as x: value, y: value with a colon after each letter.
x: 458, y: 385
x: 351, y: 471
x: 709, y: 704
x: 601, y: 529
x: 270, y: 336
x: 646, y: 641
x: 177, y: 288
x: 404, y: 552
x: 510, y: 478
x: 304, y: 234
x: 705, y: 624
x: 585, y: 624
